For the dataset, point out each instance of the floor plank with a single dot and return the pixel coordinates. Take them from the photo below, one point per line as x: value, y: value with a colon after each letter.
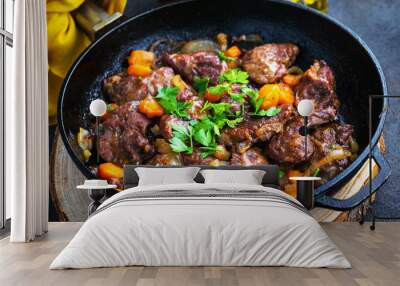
x: 375, y: 257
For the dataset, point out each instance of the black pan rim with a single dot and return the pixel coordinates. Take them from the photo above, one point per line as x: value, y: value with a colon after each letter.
x: 320, y: 190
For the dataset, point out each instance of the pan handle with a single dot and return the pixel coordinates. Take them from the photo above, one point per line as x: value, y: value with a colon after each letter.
x: 94, y: 20
x: 347, y: 204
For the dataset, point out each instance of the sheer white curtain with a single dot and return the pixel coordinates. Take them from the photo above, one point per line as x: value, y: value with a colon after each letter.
x: 27, y: 124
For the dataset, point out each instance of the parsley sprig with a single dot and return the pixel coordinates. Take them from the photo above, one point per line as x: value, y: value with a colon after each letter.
x: 204, y: 132
x: 182, y: 141
x: 201, y: 84
x: 238, y: 97
x: 167, y: 98
x: 235, y: 76
x: 316, y: 172
x: 219, y: 89
x: 201, y: 132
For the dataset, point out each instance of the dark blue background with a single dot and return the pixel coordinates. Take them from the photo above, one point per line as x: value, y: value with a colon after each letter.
x: 378, y: 24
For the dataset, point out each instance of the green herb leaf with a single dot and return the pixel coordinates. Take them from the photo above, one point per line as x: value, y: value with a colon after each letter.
x: 218, y: 108
x: 181, y: 109
x: 239, y: 98
x: 316, y: 172
x: 207, y: 151
x: 201, y: 84
x: 179, y: 128
x: 249, y: 91
x: 180, y: 131
x: 253, y: 95
x: 167, y: 98
x: 182, y: 137
x: 232, y: 123
x: 281, y: 174
x: 206, y: 106
x: 273, y: 111
x: 225, y: 58
x: 270, y: 112
x: 204, y: 132
x: 219, y: 89
x: 258, y: 104
x: 203, y: 136
x: 221, y: 116
x: 216, y: 130
x: 219, y: 121
x: 221, y: 107
x: 178, y: 146
x: 235, y: 76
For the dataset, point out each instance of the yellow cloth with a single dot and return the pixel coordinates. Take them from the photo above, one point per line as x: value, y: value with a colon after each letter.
x: 66, y: 41
x: 321, y: 5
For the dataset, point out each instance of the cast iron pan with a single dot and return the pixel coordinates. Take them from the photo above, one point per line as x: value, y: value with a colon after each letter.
x: 358, y: 73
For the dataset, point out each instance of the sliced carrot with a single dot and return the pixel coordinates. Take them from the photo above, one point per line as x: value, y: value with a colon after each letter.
x: 131, y: 60
x: 286, y: 95
x: 233, y: 52
x: 139, y: 70
x: 276, y: 94
x: 270, y: 95
x: 150, y: 107
x: 212, y: 97
x: 141, y: 57
x: 109, y: 171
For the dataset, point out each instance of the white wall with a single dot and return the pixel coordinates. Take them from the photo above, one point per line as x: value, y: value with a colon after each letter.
x: 9, y: 62
x: 9, y: 11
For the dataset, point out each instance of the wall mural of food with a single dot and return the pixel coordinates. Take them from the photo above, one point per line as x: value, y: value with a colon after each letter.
x: 227, y: 100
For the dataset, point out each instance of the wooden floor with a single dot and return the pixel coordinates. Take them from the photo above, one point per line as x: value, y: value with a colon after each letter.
x: 375, y: 257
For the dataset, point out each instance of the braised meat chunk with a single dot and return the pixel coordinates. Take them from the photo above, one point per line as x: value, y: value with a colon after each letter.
x: 318, y: 85
x: 334, y: 134
x: 289, y: 145
x: 268, y: 63
x: 122, y: 87
x: 251, y: 157
x: 334, y: 146
x: 200, y: 64
x: 252, y: 130
x: 123, y: 136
